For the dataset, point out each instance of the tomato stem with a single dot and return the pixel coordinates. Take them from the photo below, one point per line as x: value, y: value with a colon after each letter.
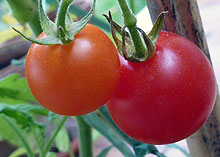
x: 129, y: 17
x: 51, y: 140
x: 61, y: 20
x: 132, y: 6
x: 130, y: 22
x: 35, y: 24
x: 131, y: 40
x: 26, y: 12
x: 38, y: 141
x: 85, y: 137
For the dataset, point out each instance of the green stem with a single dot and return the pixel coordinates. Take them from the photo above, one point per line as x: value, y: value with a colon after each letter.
x: 140, y: 48
x: 130, y: 22
x: 85, y: 138
x: 132, y: 5
x: 71, y: 153
x: 51, y: 140
x: 61, y: 16
x: 26, y: 12
x: 35, y: 25
x: 129, y: 17
x: 20, y: 135
x: 39, y: 144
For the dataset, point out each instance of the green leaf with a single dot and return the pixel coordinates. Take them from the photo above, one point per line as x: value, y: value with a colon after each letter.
x: 103, y: 7
x: 51, y: 154
x: 15, y: 90
x: 137, y: 6
x: 8, y: 134
x: 52, y: 116
x: 22, y: 117
x: 100, y: 125
x: 22, y: 114
x: 28, y: 108
x: 18, y: 152
x: 62, y: 140
x: 104, y: 152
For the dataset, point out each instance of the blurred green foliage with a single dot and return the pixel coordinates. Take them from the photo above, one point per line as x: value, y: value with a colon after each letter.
x: 3, y: 10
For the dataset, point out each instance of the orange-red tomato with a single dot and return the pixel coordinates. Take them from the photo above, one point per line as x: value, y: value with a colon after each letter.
x: 77, y: 78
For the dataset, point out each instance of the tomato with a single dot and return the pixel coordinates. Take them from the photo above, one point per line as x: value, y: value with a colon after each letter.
x: 77, y: 78
x: 166, y: 98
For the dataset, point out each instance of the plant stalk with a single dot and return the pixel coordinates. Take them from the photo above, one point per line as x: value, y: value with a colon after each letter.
x: 61, y: 16
x: 129, y: 17
x: 85, y: 138
x: 130, y: 22
x: 51, y: 140
x: 34, y: 23
x: 26, y: 12
x: 71, y: 153
x: 132, y: 5
x: 39, y: 144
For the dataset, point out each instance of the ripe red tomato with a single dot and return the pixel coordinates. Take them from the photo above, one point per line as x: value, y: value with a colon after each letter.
x: 77, y: 78
x: 166, y: 98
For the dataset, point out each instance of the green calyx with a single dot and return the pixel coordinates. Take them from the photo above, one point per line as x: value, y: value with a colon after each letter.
x: 127, y: 46
x: 64, y: 29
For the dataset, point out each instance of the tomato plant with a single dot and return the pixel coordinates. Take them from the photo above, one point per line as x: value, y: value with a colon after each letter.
x: 166, y: 98
x: 77, y: 78
x: 159, y: 100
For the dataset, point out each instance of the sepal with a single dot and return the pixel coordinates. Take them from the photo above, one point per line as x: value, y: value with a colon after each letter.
x: 47, y: 25
x: 125, y: 45
x: 157, y: 27
x: 59, y: 33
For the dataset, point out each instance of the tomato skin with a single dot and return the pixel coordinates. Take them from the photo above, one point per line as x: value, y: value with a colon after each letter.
x: 166, y: 98
x: 77, y: 78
